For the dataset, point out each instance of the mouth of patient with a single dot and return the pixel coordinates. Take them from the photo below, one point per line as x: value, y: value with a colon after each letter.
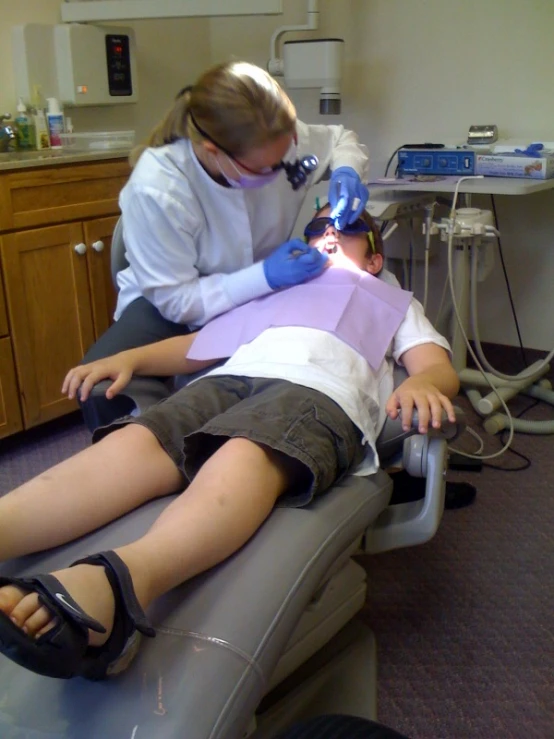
x: 330, y: 246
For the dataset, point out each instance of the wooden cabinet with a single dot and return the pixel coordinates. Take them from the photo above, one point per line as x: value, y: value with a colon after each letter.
x: 10, y: 413
x: 55, y: 225
x: 97, y: 235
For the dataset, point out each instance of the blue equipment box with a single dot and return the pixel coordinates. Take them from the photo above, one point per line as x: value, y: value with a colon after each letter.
x: 436, y: 161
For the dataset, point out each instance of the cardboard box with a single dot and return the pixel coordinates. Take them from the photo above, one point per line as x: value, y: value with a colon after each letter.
x: 509, y: 164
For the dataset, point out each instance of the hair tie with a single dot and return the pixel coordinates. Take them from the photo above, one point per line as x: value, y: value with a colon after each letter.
x: 183, y: 91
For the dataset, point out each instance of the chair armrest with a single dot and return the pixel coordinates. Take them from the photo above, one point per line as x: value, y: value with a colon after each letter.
x: 392, y: 435
x: 423, y: 455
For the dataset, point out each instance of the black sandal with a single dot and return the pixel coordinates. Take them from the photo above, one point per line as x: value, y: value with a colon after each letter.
x: 63, y: 651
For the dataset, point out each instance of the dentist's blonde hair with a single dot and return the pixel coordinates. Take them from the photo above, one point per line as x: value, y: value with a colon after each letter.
x: 237, y: 105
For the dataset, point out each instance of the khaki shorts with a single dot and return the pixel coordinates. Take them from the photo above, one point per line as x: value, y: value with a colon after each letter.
x: 303, y: 424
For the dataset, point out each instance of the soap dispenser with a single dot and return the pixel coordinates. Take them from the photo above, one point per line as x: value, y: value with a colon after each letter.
x: 25, y: 128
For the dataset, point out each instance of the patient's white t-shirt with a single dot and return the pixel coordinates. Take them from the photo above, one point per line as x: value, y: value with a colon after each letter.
x: 321, y: 361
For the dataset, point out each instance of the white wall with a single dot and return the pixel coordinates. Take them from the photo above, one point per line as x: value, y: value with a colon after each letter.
x: 427, y: 70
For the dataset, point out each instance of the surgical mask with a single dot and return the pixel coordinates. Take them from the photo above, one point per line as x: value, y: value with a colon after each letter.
x: 248, y: 181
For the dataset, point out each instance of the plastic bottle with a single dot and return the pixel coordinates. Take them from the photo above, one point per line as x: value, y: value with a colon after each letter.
x: 54, y: 118
x: 41, y: 128
x: 70, y: 141
x: 25, y: 127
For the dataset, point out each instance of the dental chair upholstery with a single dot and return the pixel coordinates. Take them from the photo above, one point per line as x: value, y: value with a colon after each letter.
x: 265, y: 638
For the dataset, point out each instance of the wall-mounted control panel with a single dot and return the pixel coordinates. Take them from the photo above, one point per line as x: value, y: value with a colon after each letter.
x: 77, y: 63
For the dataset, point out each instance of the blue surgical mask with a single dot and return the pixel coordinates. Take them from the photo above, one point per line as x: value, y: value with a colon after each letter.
x: 248, y: 181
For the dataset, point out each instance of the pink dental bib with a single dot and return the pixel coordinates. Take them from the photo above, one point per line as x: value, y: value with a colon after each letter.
x: 358, y: 308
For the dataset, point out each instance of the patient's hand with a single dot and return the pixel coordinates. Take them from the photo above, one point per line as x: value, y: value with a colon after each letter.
x: 118, y: 368
x: 419, y: 393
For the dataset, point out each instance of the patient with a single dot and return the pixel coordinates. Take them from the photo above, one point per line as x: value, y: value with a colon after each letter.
x: 291, y: 411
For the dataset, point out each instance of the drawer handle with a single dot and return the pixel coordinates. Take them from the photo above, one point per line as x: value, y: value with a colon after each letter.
x: 80, y: 248
x: 98, y: 246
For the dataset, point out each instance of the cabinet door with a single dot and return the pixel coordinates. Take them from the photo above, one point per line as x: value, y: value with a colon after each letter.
x: 3, y: 315
x: 51, y: 318
x: 10, y: 413
x: 103, y: 296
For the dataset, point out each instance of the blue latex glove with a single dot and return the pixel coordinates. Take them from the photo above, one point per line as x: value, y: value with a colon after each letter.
x: 533, y: 150
x: 292, y: 263
x: 344, y: 188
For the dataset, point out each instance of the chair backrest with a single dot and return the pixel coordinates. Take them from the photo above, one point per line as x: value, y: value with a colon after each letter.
x: 118, y: 258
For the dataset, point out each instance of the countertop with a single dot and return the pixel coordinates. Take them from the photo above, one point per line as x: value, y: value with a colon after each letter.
x: 469, y: 184
x: 49, y: 157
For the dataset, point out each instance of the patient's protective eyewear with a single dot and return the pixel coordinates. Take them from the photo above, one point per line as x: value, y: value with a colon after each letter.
x: 318, y: 226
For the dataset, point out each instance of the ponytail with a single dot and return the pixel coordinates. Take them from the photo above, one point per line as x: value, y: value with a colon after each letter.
x: 236, y: 104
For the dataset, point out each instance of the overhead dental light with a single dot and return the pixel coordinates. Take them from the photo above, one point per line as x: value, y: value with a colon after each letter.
x: 309, y: 63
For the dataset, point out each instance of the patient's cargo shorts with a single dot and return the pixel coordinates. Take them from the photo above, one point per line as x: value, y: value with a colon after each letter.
x: 301, y: 423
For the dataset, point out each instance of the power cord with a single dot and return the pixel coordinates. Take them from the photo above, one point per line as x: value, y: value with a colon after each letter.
x: 507, y: 281
x: 464, y: 333
x: 526, y: 461
x: 394, y: 153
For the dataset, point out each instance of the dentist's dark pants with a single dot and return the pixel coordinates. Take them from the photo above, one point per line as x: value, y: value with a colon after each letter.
x: 140, y: 323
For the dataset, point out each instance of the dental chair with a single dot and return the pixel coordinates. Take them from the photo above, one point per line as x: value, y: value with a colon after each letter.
x: 266, y: 638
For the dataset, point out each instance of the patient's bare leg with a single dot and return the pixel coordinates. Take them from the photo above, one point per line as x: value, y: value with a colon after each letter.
x: 226, y: 503
x: 119, y: 473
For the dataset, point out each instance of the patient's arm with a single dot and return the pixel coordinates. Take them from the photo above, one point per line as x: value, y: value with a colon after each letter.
x: 432, y: 382
x: 162, y: 358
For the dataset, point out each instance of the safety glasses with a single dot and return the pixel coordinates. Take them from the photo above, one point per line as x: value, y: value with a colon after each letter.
x: 318, y: 226
x: 265, y: 170
x: 297, y: 172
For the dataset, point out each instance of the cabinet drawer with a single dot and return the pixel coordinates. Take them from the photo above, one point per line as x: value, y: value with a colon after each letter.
x: 58, y: 194
x: 10, y: 413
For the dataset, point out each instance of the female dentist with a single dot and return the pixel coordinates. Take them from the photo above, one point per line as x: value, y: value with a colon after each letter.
x: 210, y: 206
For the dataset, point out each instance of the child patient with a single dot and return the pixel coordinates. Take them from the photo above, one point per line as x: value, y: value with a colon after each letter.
x: 292, y: 410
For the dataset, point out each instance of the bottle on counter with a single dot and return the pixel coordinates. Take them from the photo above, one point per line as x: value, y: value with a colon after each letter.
x: 69, y: 140
x: 25, y: 128
x: 41, y: 129
x: 54, y: 119
x: 42, y: 136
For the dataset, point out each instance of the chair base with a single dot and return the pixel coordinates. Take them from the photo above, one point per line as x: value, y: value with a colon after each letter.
x: 340, y: 678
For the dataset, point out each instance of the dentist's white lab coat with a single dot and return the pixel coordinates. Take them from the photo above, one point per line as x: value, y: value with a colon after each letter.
x: 195, y: 248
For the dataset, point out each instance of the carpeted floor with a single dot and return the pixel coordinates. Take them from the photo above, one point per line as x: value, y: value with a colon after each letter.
x: 463, y: 623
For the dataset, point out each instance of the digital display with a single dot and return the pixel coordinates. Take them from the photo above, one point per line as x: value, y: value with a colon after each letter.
x: 118, y: 59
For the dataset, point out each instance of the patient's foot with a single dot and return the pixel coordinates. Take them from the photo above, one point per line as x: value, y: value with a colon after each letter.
x: 87, y: 584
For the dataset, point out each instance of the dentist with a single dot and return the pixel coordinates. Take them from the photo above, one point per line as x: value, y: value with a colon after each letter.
x: 210, y: 206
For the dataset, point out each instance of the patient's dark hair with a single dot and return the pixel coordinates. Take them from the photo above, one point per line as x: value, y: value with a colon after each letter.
x: 375, y: 231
